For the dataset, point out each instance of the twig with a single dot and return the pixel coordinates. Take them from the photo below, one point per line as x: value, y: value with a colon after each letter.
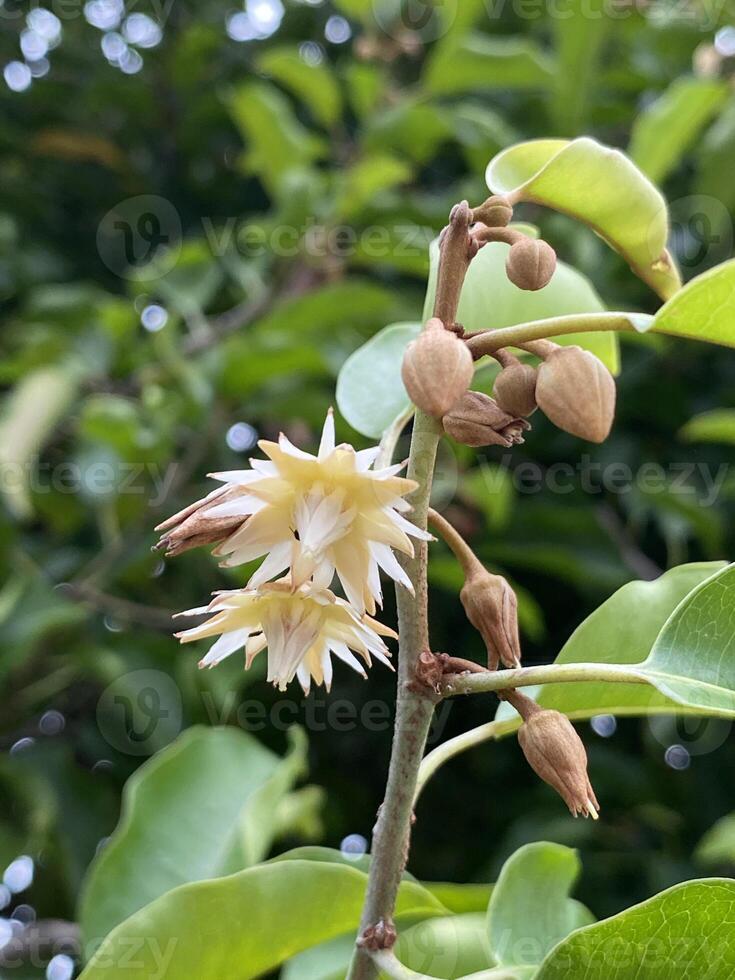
x: 634, y: 558
x: 414, y: 710
x: 41, y: 941
x: 491, y: 340
x: 134, y: 612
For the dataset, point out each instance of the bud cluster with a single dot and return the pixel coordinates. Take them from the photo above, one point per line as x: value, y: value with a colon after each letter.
x: 571, y: 386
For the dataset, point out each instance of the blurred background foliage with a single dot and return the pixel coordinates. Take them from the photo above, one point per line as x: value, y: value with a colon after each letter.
x: 203, y: 211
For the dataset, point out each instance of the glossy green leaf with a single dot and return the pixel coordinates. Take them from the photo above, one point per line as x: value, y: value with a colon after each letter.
x: 370, y: 392
x: 601, y: 187
x: 666, y: 129
x: 490, y: 300
x: 685, y: 932
x: 446, y: 947
x: 715, y: 426
x: 676, y: 630
x: 28, y: 417
x: 246, y: 924
x: 203, y: 807
x: 327, y: 961
x: 702, y: 310
x: 314, y: 84
x: 530, y: 910
x: 717, y: 847
x: 481, y: 62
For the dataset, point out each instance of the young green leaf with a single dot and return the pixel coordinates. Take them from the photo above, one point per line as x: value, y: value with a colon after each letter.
x: 601, y: 187
x: 530, y: 910
x: 203, y: 807
x: 687, y: 931
x: 482, y: 62
x: 314, y: 84
x: 370, y: 392
x: 246, y: 924
x: 666, y: 129
x: 702, y: 310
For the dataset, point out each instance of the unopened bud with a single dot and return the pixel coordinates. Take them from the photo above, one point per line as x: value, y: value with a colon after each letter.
x: 191, y: 528
x: 515, y: 388
x: 491, y: 606
x: 437, y: 369
x: 530, y: 264
x: 577, y: 392
x: 495, y: 212
x: 478, y: 420
x: 556, y: 753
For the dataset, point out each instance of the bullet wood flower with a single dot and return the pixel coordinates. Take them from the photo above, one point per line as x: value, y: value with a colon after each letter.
x: 492, y: 608
x: 314, y: 515
x: 577, y: 392
x: 437, y: 369
x: 192, y: 527
x: 515, y: 387
x: 556, y: 753
x: 478, y: 420
x: 300, y: 628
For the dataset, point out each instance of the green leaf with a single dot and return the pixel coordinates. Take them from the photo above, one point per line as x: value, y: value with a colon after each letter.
x: 530, y: 910
x: 203, y: 807
x: 29, y: 415
x: 490, y: 300
x: 578, y: 38
x: 276, y: 141
x: 676, y: 632
x: 413, y: 128
x: 702, y: 310
x: 246, y: 924
x: 717, y: 847
x: 370, y: 392
x: 686, y: 931
x: 315, y: 85
x: 361, y: 183
x: 599, y: 186
x: 327, y: 961
x: 482, y: 62
x: 667, y: 128
x: 715, y: 426
x: 446, y: 947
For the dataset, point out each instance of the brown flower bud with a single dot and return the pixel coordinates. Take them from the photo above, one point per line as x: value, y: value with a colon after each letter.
x: 191, y: 529
x: 577, y: 392
x: 531, y: 263
x: 478, y: 420
x: 555, y: 752
x: 515, y: 388
x: 495, y: 212
x: 491, y: 606
x: 437, y: 369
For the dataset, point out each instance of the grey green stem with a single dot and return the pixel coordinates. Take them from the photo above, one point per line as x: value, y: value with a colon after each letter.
x: 415, y: 706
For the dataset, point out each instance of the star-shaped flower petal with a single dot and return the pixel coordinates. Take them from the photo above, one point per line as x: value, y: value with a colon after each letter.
x: 314, y: 515
x: 301, y: 629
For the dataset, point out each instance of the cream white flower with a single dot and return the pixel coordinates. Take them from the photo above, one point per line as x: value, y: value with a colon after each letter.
x: 314, y: 515
x: 301, y: 628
